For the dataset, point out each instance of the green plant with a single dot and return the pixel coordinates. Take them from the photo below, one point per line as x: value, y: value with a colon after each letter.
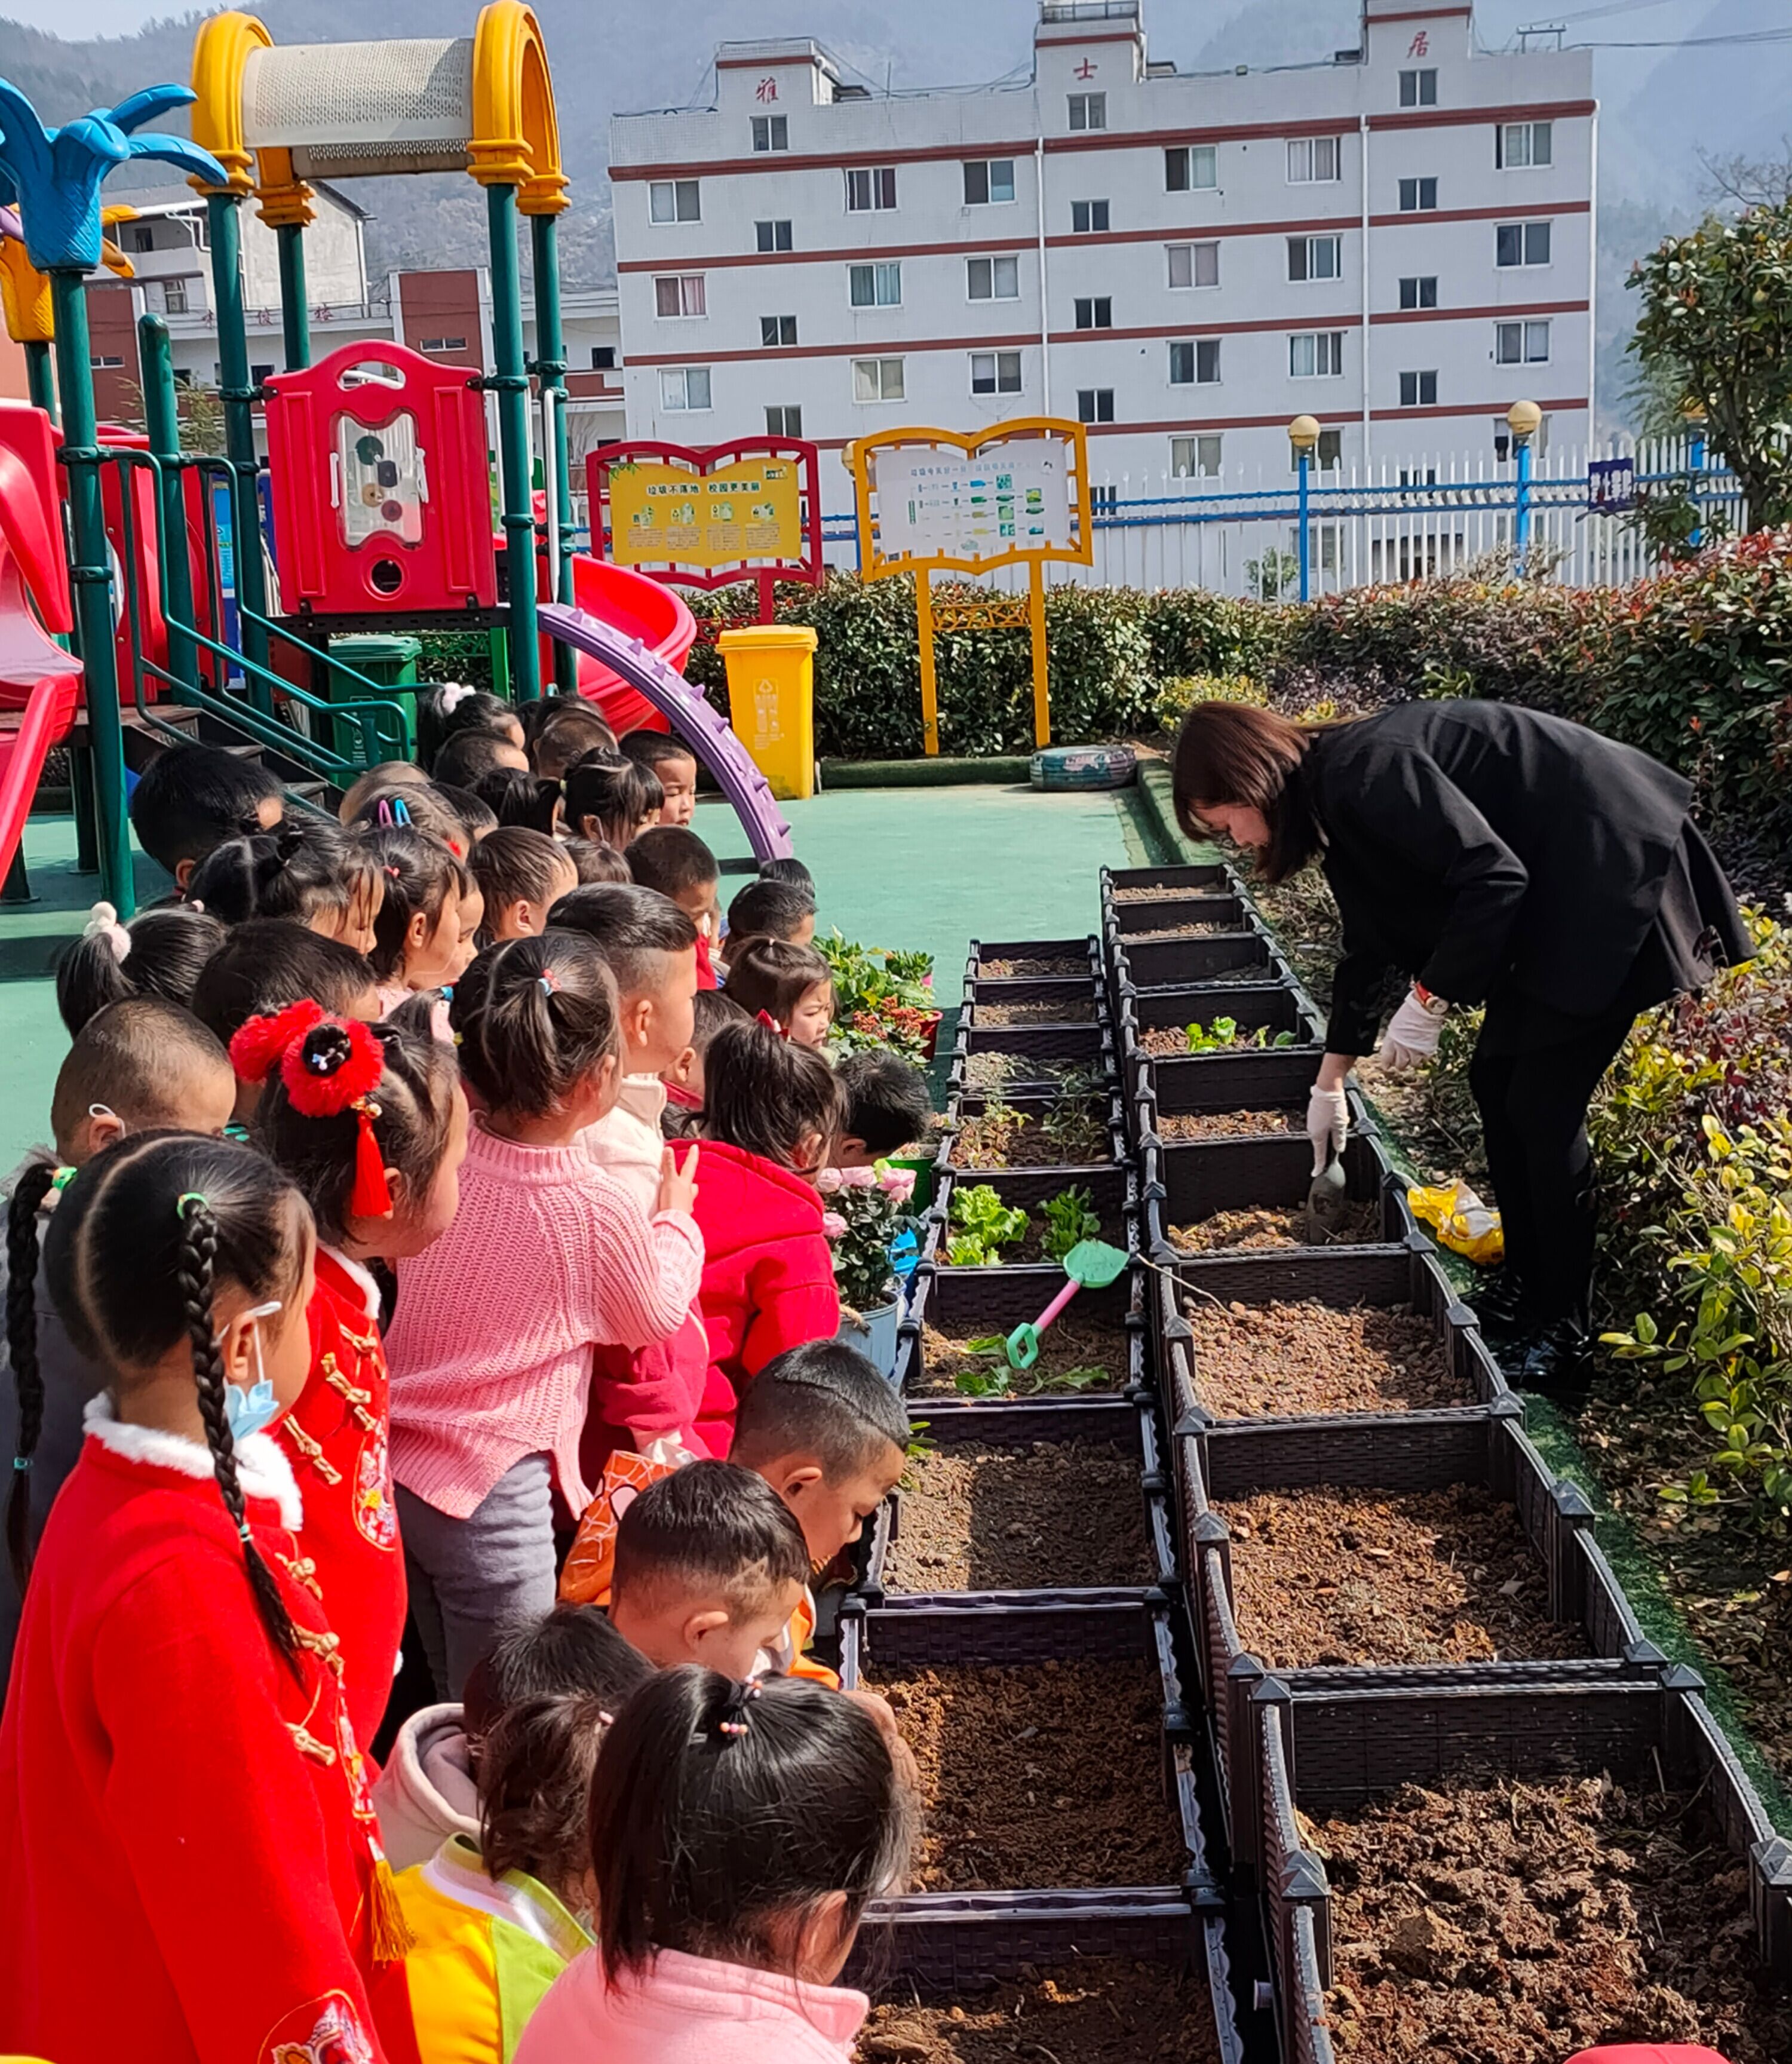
x: 882, y: 996
x: 983, y: 1226
x: 1070, y: 1217
x: 1073, y: 1124
x: 997, y: 1378
x: 1224, y: 1032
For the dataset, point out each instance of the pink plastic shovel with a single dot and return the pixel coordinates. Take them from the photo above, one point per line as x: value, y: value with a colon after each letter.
x: 1090, y: 1265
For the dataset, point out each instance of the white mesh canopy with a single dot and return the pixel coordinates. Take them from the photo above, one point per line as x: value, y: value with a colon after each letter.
x: 345, y: 110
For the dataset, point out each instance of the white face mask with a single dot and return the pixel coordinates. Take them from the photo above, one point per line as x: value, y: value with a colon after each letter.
x: 249, y: 1408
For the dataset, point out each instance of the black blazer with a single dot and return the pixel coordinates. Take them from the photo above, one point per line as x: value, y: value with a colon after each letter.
x: 1478, y: 846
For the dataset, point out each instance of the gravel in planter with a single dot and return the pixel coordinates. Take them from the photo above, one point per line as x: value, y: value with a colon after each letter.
x: 1070, y: 1343
x: 1498, y: 1923
x: 1176, y: 892
x: 1038, y: 1775
x: 1229, y: 1124
x: 1286, y: 1360
x: 1025, y: 1517
x: 1204, y: 930
x: 1009, y: 1138
x: 1099, y: 2011
x: 1272, y: 1225
x: 1073, y: 1011
x: 1362, y: 1577
x: 1031, y: 969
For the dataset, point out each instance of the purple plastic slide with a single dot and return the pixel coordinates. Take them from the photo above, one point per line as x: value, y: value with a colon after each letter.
x: 682, y: 705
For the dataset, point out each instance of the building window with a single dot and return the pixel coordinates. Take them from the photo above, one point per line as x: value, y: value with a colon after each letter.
x: 1315, y: 257
x: 1089, y: 110
x: 102, y: 362
x: 1312, y: 158
x: 784, y: 422
x: 174, y: 297
x: 1316, y: 355
x: 425, y: 343
x: 877, y: 380
x: 1418, y: 89
x: 1521, y: 243
x: 777, y: 330
x: 603, y: 358
x: 771, y: 132
x: 1087, y: 218
x: 1195, y: 459
x: 987, y: 180
x: 1518, y: 144
x: 1520, y: 344
x: 683, y: 389
x: 1420, y: 292
x: 1328, y: 454
x: 1418, y: 195
x: 1193, y: 264
x: 1095, y: 312
x: 140, y: 236
x: 772, y: 236
x: 1194, y: 363
x: 1418, y: 390
x: 992, y: 279
x: 874, y: 286
x: 675, y: 200
x: 1094, y: 405
x: 995, y: 373
x: 1187, y: 166
x: 679, y: 294
x: 868, y: 187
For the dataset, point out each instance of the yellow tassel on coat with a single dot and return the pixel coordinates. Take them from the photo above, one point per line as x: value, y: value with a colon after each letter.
x: 393, y: 1939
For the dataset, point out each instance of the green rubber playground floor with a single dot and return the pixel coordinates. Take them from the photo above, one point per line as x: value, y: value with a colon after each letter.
x: 927, y: 868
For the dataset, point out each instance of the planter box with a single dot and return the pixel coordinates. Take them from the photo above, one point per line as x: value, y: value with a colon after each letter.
x: 1195, y: 1179
x: 1164, y: 963
x: 1036, y: 1047
x: 1225, y: 910
x: 964, y: 1103
x: 1276, y: 1078
x: 1112, y: 1190
x: 1273, y: 1007
x: 967, y: 1302
x: 1209, y: 877
x: 1085, y: 951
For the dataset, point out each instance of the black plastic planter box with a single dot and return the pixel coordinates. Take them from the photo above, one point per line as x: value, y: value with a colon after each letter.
x: 1113, y: 1193
x: 1071, y: 992
x: 1270, y: 1007
x: 1038, y: 1047
x: 966, y: 1302
x: 1085, y: 951
x: 1167, y: 963
x: 1224, y: 910
x: 967, y: 1103
x: 1206, y: 878
x: 1200, y: 1177
x: 1254, y: 1079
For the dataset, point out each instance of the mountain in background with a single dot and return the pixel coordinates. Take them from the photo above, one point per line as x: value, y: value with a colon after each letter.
x: 1663, y: 109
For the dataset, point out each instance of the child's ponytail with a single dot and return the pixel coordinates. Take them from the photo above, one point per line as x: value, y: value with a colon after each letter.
x: 420, y: 874
x: 607, y: 796
x: 766, y: 1096
x: 301, y: 871
x: 159, y: 953
x: 34, y: 1185
x: 533, y: 1017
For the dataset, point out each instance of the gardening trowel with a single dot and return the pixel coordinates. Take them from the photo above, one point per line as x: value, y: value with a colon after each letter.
x: 1327, y: 1200
x: 1091, y: 1264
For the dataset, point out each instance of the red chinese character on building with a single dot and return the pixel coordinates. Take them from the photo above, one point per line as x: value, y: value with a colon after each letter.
x: 1420, y: 45
x: 768, y: 88
x: 1086, y: 69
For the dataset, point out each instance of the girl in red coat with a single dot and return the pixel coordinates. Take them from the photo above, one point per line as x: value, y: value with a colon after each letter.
x: 189, y: 1867
x: 771, y: 1111
x: 371, y: 1125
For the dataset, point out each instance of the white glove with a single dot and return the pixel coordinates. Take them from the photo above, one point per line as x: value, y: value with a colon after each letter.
x: 1328, y: 1122
x: 1412, y: 1031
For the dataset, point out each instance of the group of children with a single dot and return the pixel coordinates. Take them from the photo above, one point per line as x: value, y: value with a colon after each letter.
x: 431, y: 1248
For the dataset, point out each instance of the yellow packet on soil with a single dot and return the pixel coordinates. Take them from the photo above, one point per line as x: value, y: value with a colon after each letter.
x: 1459, y: 1220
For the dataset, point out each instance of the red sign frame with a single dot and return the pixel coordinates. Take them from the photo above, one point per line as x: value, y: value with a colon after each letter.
x: 702, y: 459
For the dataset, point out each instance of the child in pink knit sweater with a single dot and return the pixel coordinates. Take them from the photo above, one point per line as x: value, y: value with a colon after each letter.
x: 547, y: 1259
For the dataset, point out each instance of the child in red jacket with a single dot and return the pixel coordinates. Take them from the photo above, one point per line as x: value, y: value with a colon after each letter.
x: 179, y: 1779
x: 371, y: 1125
x: 771, y: 1111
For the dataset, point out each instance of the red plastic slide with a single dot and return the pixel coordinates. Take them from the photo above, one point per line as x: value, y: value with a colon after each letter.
x: 638, y: 608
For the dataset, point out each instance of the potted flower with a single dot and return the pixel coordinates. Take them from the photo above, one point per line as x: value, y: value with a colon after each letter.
x: 882, y: 997
x: 865, y: 1212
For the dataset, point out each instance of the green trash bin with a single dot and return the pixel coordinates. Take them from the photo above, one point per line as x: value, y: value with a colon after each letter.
x: 389, y: 660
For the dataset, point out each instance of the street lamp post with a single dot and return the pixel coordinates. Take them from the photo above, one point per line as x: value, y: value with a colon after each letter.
x: 1522, y: 419
x: 1303, y: 434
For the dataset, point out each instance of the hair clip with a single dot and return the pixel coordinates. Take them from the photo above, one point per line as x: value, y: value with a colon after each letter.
x: 103, y: 923
x: 21, y: 1462
x: 732, y: 1720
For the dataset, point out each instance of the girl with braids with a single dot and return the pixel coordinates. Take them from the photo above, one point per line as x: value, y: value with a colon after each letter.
x: 179, y: 1774
x: 371, y: 1124
x: 491, y: 1349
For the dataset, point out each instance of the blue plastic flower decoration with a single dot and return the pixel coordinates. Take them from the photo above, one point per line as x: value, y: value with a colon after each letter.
x: 57, y: 172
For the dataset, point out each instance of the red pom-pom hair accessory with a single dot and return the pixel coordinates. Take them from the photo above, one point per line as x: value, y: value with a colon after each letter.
x: 327, y: 1066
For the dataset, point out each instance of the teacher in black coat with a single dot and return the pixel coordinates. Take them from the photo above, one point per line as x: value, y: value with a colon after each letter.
x: 1494, y: 855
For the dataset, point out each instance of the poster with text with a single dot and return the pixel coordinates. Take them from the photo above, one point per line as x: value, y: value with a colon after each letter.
x: 748, y: 511
x: 940, y: 503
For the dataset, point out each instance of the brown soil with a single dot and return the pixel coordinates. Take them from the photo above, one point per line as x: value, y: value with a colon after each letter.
x: 1070, y: 1342
x: 1229, y: 1124
x: 1167, y: 1041
x: 1033, y: 969
x: 1179, y: 893
x: 1021, y: 1517
x: 1038, y: 1775
x: 1204, y: 930
x: 1008, y: 1139
x: 1356, y: 1577
x: 1272, y: 1225
x: 1061, y: 1010
x: 1285, y: 1359
x: 984, y: 1073
x: 1496, y: 1923
x: 1099, y: 2011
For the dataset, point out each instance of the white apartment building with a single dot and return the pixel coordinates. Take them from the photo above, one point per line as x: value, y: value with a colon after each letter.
x: 1398, y: 242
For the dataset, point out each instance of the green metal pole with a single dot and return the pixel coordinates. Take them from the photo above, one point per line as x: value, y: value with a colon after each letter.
x: 511, y: 384
x: 295, y: 314
x: 225, y: 224
x: 161, y: 420
x: 550, y: 369
x: 39, y: 380
x: 91, y: 574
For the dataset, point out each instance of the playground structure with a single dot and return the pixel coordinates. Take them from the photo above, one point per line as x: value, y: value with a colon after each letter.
x: 207, y: 591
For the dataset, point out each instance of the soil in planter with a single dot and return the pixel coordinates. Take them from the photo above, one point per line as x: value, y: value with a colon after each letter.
x: 1067, y: 1010
x: 1034, y: 968
x: 1033, y: 1247
x: 1072, y: 1342
x: 1272, y: 1225
x: 1039, y: 1774
x: 1006, y: 1138
x: 1490, y: 1922
x: 1207, y: 929
x: 1179, y: 893
x: 1025, y: 1517
x: 1284, y: 1359
x: 1168, y: 1042
x: 1097, y: 2010
x: 1356, y: 1577
x: 1229, y: 1124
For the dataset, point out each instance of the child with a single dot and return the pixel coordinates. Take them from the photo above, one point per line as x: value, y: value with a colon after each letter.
x: 470, y: 753
x: 269, y: 962
x: 738, y: 1833
x: 522, y: 874
x: 677, y: 864
x: 888, y: 1108
x: 596, y: 862
x: 709, y: 1565
x: 789, y: 869
x: 135, y: 1067
x: 792, y: 985
x: 178, y: 1769
x: 390, y: 778
x: 496, y: 1918
x: 193, y: 797
x: 425, y: 810
x: 420, y: 940
x: 771, y: 1111
x: 474, y: 816
x: 712, y: 1009
x: 610, y: 799
x: 310, y: 872
x: 521, y: 799
x: 160, y: 952
x: 673, y: 764
x: 773, y: 910
x: 443, y: 713
x: 491, y: 1348
x: 566, y: 731
x: 371, y: 1127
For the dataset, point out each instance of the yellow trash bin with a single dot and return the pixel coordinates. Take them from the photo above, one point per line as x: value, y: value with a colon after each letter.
x: 771, y: 701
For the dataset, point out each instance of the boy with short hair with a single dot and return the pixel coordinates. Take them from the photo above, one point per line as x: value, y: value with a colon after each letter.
x: 674, y: 764
x: 772, y: 910
x: 677, y: 864
x: 468, y: 754
x: 194, y: 797
x: 887, y: 1107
